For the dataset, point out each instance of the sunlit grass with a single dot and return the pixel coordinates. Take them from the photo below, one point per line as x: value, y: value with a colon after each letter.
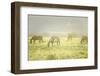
x: 71, y: 49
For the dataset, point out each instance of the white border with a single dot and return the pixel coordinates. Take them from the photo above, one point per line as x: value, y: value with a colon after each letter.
x: 25, y: 64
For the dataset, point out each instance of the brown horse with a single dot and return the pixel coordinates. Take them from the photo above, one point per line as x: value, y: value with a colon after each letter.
x: 54, y: 39
x: 36, y: 38
x: 84, y: 39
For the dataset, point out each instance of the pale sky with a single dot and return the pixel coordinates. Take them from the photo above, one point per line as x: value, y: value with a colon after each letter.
x: 57, y: 24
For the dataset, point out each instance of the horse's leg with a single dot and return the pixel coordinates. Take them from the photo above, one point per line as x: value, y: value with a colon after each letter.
x: 31, y: 41
x: 58, y: 42
x: 86, y: 41
x: 52, y: 43
x: 34, y: 41
x: 48, y: 44
x: 81, y: 41
x: 39, y: 41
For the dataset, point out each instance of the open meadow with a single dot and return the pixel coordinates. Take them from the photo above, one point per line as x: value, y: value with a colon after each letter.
x: 67, y: 49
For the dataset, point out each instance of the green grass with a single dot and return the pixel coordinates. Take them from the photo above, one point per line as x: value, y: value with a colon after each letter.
x: 66, y: 50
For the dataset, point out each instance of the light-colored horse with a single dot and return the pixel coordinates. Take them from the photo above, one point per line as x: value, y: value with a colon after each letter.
x: 52, y: 40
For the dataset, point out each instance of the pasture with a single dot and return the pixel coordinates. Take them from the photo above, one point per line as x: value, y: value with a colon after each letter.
x: 68, y: 49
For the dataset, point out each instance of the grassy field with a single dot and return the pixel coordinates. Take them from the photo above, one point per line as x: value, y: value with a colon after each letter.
x: 71, y: 49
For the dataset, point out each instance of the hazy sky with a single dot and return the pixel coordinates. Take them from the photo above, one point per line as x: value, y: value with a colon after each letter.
x: 57, y: 24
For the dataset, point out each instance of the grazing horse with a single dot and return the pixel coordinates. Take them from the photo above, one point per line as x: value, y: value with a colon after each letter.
x: 84, y: 39
x: 54, y: 39
x: 36, y: 38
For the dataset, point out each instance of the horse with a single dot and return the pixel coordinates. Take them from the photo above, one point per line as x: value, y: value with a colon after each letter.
x: 84, y: 39
x: 36, y: 38
x: 54, y: 39
x: 70, y: 36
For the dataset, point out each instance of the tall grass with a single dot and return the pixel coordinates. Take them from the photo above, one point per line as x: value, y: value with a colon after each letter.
x: 71, y: 49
